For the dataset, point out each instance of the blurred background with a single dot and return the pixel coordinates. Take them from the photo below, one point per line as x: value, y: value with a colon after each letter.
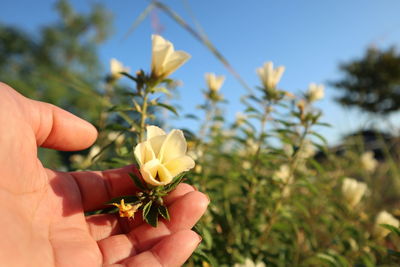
x: 44, y: 41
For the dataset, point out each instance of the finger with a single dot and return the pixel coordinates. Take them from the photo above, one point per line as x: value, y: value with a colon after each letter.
x: 99, y: 187
x: 171, y: 251
x: 184, y: 213
x: 58, y: 129
x: 105, y: 225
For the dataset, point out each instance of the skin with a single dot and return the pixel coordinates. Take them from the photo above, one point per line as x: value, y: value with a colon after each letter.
x: 42, y: 211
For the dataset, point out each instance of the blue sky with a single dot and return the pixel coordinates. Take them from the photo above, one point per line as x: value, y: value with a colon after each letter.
x: 309, y: 37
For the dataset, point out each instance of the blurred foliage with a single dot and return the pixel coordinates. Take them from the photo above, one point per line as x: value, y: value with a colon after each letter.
x: 59, y: 65
x: 371, y: 83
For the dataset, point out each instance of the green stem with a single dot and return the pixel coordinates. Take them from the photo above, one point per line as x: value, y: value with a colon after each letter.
x: 255, y: 163
x: 292, y: 166
x: 143, y: 116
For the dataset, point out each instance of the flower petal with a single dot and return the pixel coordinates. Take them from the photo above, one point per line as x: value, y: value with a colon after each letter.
x: 174, y: 61
x: 179, y: 165
x: 149, y: 172
x: 161, y: 51
x: 153, y: 131
x: 143, y: 153
x: 164, y: 175
x: 173, y: 147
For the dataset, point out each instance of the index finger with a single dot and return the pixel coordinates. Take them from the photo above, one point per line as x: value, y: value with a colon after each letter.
x: 98, y: 187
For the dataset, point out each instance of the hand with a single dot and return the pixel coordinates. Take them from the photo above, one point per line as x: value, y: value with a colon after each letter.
x: 42, y: 218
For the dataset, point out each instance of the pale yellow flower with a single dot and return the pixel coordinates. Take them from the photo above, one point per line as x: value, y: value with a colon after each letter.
x: 307, y: 150
x: 284, y: 174
x: 127, y: 210
x: 269, y: 76
x: 384, y: 217
x: 116, y: 68
x: 246, y: 165
x: 116, y: 137
x: 353, y: 191
x: 165, y: 60
x: 315, y: 92
x: 213, y: 81
x: 368, y: 161
x: 162, y: 156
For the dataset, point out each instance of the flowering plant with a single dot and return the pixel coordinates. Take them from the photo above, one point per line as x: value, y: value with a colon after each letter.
x: 163, y: 161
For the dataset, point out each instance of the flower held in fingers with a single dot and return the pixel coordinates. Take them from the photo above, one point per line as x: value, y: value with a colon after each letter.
x: 162, y: 156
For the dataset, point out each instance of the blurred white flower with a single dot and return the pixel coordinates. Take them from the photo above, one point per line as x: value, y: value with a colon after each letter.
x: 368, y: 161
x: 353, y: 191
x: 315, y: 92
x: 165, y: 60
x: 116, y: 68
x: 384, y: 217
x: 307, y: 149
x: 288, y: 150
x: 116, y: 137
x: 269, y: 76
x: 249, y: 263
x: 162, y: 156
x: 284, y: 174
x: 246, y: 165
x: 213, y: 81
x: 94, y: 151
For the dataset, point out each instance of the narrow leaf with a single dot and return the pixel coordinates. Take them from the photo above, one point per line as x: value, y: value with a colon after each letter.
x: 152, y: 216
x: 138, y: 182
x: 163, y: 210
x: 170, y: 108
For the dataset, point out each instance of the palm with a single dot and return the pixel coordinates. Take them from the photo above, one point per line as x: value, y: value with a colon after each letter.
x: 43, y: 222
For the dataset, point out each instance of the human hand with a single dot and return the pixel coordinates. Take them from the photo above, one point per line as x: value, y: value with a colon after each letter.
x: 42, y: 218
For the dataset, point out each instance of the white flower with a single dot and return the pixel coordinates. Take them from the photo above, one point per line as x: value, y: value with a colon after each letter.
x: 353, y: 191
x: 384, y: 217
x: 288, y: 150
x: 284, y: 174
x: 249, y: 263
x: 270, y: 76
x: 368, y: 161
x: 162, y: 156
x: 307, y: 150
x: 315, y: 92
x: 94, y: 151
x: 116, y: 68
x: 246, y: 165
x: 116, y: 137
x: 213, y: 81
x: 165, y: 60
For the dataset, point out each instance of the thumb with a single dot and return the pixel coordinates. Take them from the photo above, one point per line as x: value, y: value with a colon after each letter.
x: 58, y: 129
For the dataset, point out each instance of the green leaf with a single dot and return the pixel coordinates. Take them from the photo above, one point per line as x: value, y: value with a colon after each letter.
x: 129, y: 76
x: 146, y: 208
x: 150, y: 214
x: 138, y: 182
x: 163, y: 210
x: 175, y: 182
x: 162, y: 90
x: 127, y: 199
x: 170, y: 108
x: 392, y: 228
x: 120, y: 108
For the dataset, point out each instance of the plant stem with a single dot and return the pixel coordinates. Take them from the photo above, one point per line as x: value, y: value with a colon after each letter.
x: 143, y: 116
